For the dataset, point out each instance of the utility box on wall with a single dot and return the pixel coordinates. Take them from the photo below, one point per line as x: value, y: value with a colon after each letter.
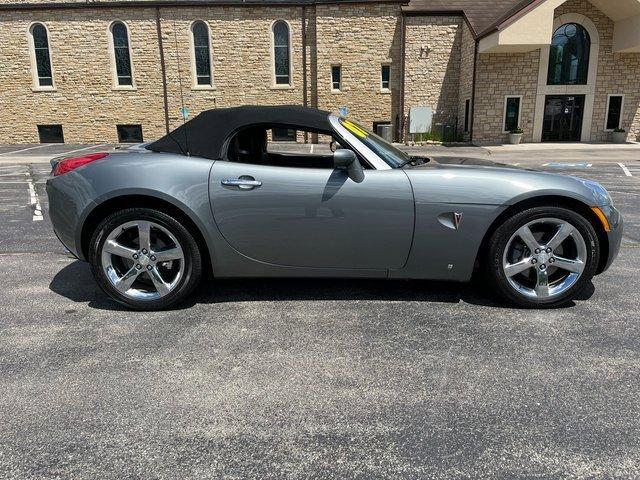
x: 420, y: 119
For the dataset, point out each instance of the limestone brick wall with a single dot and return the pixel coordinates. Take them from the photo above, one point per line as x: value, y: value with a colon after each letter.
x: 500, y: 75
x: 618, y: 73
x: 465, y: 91
x: 432, y: 65
x: 359, y: 38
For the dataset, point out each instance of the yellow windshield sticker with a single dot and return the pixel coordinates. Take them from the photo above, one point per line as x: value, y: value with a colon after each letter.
x: 355, y: 129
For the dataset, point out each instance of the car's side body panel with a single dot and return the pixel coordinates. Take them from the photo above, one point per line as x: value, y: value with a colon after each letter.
x: 313, y: 217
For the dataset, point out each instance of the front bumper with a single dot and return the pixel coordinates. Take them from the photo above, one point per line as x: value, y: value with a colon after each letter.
x: 614, y: 237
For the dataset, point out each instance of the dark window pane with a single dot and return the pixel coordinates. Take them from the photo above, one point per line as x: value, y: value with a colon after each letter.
x: 569, y: 56
x: 122, y: 55
x: 50, y: 134
x: 385, y: 75
x: 614, y: 112
x: 512, y: 115
x: 281, y: 52
x: 202, y: 53
x: 283, y: 134
x: 335, y: 77
x: 130, y: 133
x: 467, y: 111
x: 43, y: 59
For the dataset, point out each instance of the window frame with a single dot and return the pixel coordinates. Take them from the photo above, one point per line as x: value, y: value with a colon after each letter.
x: 115, y: 78
x: 35, y: 76
x: 41, y: 127
x: 585, y: 69
x: 606, y: 111
x: 194, y: 67
x: 339, y: 89
x: 274, y: 77
x: 504, y: 112
x: 384, y: 89
x: 121, y: 126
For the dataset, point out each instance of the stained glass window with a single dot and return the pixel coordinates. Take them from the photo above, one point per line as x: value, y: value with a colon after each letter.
x: 121, y: 53
x: 43, y: 58
x: 569, y: 56
x: 202, y: 53
x: 281, y: 53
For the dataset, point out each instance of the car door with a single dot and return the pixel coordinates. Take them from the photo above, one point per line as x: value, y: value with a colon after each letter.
x: 313, y: 217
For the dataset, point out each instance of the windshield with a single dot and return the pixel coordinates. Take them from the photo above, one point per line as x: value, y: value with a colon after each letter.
x: 391, y: 155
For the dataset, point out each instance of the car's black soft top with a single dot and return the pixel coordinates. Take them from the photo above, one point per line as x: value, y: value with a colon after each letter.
x: 205, y: 135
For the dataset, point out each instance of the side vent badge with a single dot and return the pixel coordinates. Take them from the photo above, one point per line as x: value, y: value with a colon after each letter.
x: 457, y: 217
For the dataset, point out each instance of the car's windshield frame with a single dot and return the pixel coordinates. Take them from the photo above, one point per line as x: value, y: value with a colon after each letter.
x: 385, y: 151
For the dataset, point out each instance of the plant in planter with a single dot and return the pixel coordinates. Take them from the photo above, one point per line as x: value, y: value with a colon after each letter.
x: 515, y: 136
x: 619, y: 135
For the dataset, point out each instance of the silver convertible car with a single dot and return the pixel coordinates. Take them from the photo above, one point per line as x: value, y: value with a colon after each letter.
x: 215, y: 197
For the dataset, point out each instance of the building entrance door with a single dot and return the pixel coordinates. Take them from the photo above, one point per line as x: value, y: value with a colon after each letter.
x: 563, y: 118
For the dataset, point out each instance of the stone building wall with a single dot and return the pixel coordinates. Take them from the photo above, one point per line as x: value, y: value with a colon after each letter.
x: 359, y: 38
x: 432, y: 65
x: 465, y: 91
x: 500, y: 75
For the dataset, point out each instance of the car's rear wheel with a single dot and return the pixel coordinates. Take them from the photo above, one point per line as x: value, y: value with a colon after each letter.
x: 145, y: 259
x: 542, y: 257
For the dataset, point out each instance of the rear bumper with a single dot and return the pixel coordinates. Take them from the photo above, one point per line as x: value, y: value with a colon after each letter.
x: 67, y: 205
x: 614, y: 237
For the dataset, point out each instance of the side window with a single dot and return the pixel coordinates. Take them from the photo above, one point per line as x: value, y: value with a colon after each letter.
x: 282, y: 146
x: 201, y: 55
x: 123, y: 73
x: 511, y: 113
x: 282, y: 53
x: 41, y: 55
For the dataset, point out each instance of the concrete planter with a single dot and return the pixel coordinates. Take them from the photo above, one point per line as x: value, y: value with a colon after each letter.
x: 619, y: 137
x: 515, y: 138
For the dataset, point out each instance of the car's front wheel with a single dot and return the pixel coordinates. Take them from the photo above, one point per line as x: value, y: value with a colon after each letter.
x: 145, y: 259
x: 542, y: 256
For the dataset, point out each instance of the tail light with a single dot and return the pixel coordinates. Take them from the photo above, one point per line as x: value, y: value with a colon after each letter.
x: 69, y: 164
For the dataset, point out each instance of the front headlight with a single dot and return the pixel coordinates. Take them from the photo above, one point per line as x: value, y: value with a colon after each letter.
x: 601, y: 194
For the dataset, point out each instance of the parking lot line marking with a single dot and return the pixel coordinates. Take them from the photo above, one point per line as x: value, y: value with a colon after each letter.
x: 83, y: 149
x: 625, y: 169
x: 26, y: 149
x: 35, y: 201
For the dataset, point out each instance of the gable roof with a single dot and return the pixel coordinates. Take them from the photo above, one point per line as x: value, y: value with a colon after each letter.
x: 482, y: 15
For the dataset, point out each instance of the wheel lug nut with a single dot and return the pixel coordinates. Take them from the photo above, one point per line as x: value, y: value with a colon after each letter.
x: 149, y: 267
x: 537, y: 251
x: 135, y: 256
x: 138, y: 266
x: 549, y: 250
x: 153, y: 258
x: 543, y: 267
x: 534, y: 261
x: 144, y: 250
x: 551, y: 260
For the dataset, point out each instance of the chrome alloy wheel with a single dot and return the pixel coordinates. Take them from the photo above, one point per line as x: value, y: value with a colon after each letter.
x: 143, y: 260
x: 544, y: 258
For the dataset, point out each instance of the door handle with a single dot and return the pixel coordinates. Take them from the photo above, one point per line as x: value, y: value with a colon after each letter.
x: 245, y: 182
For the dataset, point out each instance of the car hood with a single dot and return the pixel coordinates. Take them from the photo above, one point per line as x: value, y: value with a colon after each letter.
x: 466, y: 161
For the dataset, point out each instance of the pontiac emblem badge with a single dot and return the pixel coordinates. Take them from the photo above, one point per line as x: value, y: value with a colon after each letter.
x: 457, y: 217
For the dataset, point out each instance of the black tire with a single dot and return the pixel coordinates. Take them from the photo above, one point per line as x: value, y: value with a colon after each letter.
x: 192, y: 258
x: 498, y: 242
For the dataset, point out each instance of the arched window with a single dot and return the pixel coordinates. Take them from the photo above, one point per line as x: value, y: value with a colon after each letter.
x: 42, y: 55
x: 569, y: 56
x: 281, y: 53
x: 202, y: 53
x: 122, y: 56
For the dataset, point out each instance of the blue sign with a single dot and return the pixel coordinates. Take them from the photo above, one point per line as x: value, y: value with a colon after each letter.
x: 184, y: 112
x: 344, y: 111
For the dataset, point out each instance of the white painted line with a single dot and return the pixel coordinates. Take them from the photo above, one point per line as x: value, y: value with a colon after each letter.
x: 26, y: 149
x: 516, y: 164
x: 35, y: 201
x: 625, y: 169
x: 83, y: 149
x: 311, y: 149
x: 13, y: 174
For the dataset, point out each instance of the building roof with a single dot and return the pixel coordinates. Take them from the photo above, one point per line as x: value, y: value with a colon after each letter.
x: 206, y: 134
x: 482, y: 15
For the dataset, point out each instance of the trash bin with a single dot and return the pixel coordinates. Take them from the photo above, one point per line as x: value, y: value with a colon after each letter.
x: 385, y: 132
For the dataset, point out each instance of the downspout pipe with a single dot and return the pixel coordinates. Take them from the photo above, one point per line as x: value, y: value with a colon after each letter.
x: 473, y: 88
x: 163, y: 69
x: 403, y: 37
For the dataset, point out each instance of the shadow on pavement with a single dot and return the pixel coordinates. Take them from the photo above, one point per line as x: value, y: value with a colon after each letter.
x: 76, y: 283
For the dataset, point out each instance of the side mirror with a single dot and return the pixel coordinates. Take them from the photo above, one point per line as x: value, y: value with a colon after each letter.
x: 345, y: 159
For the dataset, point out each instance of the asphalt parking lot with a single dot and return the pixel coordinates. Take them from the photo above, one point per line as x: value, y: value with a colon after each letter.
x: 314, y: 378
